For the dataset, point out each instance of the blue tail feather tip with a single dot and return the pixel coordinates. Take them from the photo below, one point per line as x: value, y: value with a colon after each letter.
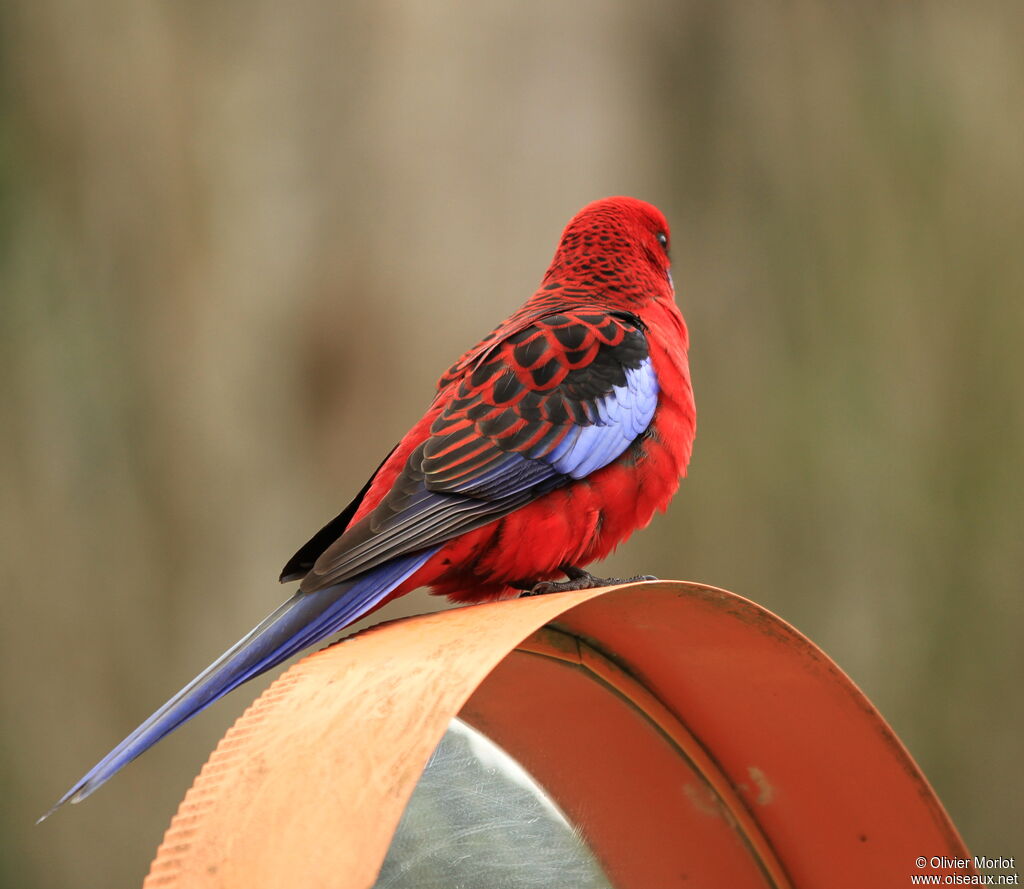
x: 302, y: 621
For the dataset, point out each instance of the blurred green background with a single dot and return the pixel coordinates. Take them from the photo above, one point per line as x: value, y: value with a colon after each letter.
x: 240, y: 241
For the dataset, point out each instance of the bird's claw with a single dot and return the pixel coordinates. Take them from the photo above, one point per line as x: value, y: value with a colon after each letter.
x: 579, y: 580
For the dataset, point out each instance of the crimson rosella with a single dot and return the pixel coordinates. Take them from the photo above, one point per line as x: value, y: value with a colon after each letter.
x: 547, y: 444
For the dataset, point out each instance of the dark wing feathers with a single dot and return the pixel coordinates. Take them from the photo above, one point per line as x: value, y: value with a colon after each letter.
x: 555, y: 400
x: 299, y: 564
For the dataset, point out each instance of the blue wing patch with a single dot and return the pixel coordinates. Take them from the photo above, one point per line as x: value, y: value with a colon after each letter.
x: 622, y: 416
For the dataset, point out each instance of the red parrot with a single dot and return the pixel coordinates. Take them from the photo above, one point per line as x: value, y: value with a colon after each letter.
x: 547, y: 444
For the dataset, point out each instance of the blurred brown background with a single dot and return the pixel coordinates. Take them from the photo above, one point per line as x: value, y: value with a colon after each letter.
x: 240, y: 241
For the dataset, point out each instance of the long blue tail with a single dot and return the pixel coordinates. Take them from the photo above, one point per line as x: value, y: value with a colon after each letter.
x: 302, y: 621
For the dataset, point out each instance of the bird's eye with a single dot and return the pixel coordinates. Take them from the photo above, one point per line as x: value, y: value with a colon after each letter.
x: 663, y: 239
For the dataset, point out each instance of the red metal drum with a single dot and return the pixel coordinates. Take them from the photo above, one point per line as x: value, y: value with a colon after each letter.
x: 690, y: 737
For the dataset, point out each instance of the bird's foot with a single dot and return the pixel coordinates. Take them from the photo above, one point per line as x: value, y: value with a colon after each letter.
x: 578, y: 580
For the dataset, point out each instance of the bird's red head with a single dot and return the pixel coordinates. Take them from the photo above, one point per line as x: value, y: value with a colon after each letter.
x: 616, y: 248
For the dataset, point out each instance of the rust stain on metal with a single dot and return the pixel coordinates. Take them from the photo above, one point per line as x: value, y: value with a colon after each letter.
x: 765, y: 791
